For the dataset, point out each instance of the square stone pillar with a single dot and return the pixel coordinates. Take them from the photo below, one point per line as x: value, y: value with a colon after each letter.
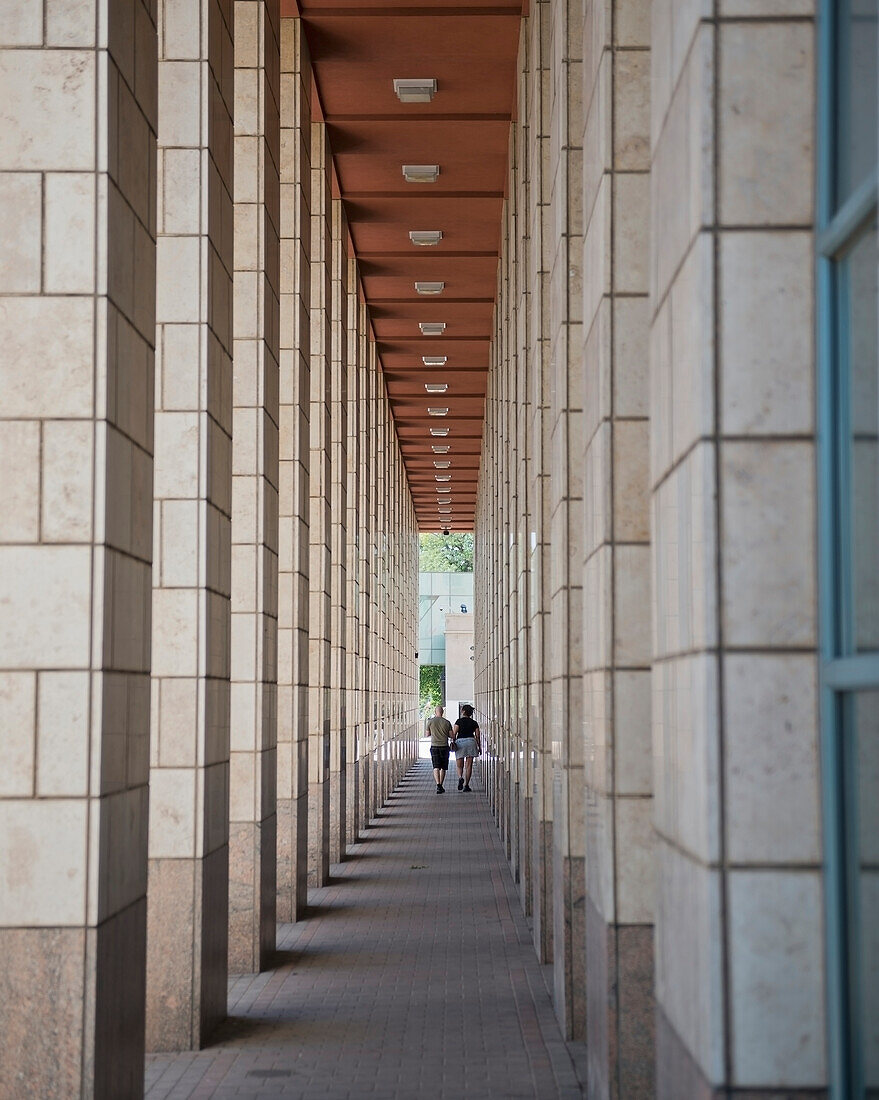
x: 564, y: 257
x: 189, y: 776
x: 294, y: 454
x: 77, y: 328
x: 320, y: 516
x: 254, y: 671
x: 338, y: 532
x: 620, y: 887
x: 739, y: 926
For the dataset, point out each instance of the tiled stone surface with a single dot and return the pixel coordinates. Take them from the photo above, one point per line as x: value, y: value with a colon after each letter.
x: 733, y: 576
x: 189, y: 750
x: 255, y: 479
x: 77, y: 324
x: 414, y: 976
x: 293, y: 496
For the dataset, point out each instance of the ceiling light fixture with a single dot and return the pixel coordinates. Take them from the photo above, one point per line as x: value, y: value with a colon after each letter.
x: 421, y: 173
x: 436, y: 387
x: 442, y: 450
x: 434, y: 360
x: 415, y: 90
x: 437, y: 411
x: 439, y: 431
x: 444, y: 464
x: 425, y: 237
x: 429, y: 288
x: 432, y: 328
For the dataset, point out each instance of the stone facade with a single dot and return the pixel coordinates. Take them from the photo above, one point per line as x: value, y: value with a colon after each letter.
x: 654, y: 333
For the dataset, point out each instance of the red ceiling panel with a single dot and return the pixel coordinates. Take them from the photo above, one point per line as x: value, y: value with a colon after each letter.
x: 470, y: 49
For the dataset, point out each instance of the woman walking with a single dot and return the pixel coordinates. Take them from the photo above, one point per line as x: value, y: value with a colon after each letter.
x: 467, y: 746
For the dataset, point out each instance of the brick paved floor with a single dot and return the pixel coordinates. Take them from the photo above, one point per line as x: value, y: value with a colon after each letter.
x: 412, y: 976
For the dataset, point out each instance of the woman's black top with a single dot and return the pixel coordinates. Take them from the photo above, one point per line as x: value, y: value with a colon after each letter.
x: 467, y: 727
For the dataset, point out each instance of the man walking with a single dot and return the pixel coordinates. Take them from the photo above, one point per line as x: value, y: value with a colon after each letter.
x: 439, y: 730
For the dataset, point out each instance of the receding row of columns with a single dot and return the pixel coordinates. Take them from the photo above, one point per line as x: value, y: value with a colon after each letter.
x: 645, y: 543
x: 209, y: 550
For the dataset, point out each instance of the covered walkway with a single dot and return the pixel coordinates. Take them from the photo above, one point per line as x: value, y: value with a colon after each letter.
x: 413, y: 974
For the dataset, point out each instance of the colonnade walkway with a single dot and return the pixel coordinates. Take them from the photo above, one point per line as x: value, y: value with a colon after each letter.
x: 413, y: 975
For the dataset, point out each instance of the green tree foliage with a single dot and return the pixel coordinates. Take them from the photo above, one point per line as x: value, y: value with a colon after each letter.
x: 430, y: 686
x: 446, y: 554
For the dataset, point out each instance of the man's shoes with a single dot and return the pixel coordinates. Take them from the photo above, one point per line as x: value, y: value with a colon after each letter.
x: 460, y: 784
x: 440, y: 789
x: 466, y: 786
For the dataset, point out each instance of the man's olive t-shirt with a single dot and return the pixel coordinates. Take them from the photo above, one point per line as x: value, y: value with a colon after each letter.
x: 439, y: 730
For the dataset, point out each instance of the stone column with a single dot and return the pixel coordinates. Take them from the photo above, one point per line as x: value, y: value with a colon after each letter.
x: 540, y: 223
x: 254, y: 630
x: 320, y: 519
x: 77, y: 328
x: 739, y: 980
x: 354, y: 523
x: 189, y: 777
x: 338, y: 533
x: 294, y: 444
x: 566, y: 514
x: 616, y: 563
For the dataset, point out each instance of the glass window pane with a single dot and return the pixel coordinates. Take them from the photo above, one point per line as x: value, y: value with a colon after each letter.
x: 861, y: 266
x: 863, y: 855
x: 856, y: 67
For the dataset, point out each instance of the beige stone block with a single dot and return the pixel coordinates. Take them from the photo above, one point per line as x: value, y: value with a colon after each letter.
x: 21, y: 23
x: 766, y: 123
x: 631, y: 387
x: 177, y: 362
x: 689, y: 984
x: 692, y: 323
x: 70, y: 204
x: 48, y: 357
x: 632, y: 604
x: 768, y: 550
x: 177, y: 562
x: 631, y: 129
x: 70, y: 23
x: 766, y: 333
x: 633, y: 753
x: 179, y: 191
x: 631, y: 481
x: 20, y: 481
x: 45, y: 592
x: 177, y: 719
x: 49, y: 109
x: 636, y: 866
x: 43, y: 844
x: 179, y: 90
x: 63, y: 734
x: 173, y: 806
x: 17, y: 721
x: 685, y: 711
x: 632, y: 22
x: 20, y: 231
x: 771, y: 758
x: 68, y: 465
x: 178, y: 287
x: 175, y: 632
x: 180, y: 36
x: 776, y: 978
x: 242, y: 787
x: 177, y: 450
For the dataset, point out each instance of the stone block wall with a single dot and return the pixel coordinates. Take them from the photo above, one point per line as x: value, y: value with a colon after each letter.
x: 657, y: 520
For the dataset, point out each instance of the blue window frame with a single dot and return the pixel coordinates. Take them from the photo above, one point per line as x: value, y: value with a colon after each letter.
x: 847, y: 264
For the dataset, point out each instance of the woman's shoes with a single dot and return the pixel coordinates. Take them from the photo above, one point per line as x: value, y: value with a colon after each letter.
x: 460, y: 784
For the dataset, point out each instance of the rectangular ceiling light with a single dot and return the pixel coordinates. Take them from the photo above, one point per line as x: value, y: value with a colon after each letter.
x: 429, y: 288
x: 432, y: 328
x: 439, y: 431
x: 436, y: 387
x: 437, y: 411
x: 421, y: 173
x: 415, y: 90
x: 434, y: 360
x: 443, y: 464
x: 442, y: 477
x: 441, y: 450
x: 425, y: 237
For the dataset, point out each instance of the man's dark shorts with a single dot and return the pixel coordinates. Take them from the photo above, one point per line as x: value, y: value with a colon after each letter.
x: 439, y: 758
